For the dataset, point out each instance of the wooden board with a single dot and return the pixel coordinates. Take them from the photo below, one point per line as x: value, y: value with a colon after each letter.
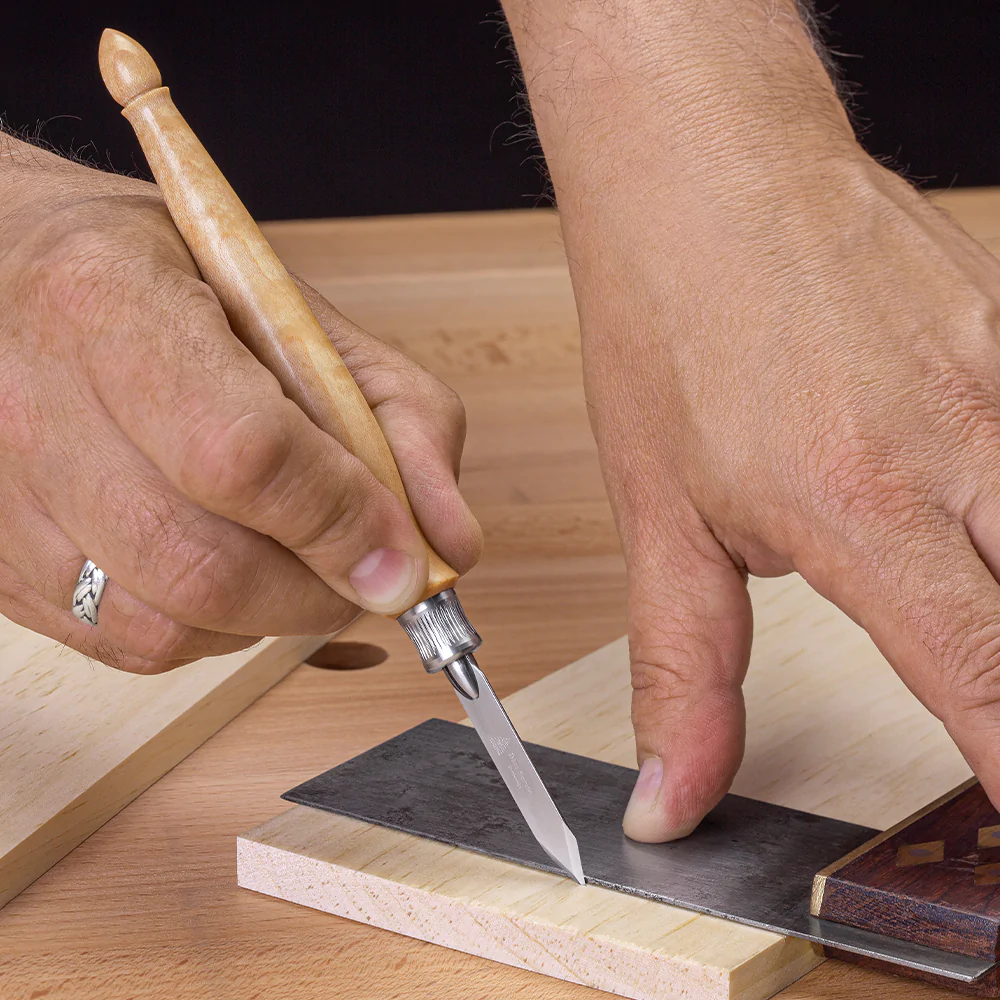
x: 831, y: 730
x: 79, y: 740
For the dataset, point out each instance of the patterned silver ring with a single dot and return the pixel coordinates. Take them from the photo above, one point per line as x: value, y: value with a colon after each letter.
x: 88, y: 592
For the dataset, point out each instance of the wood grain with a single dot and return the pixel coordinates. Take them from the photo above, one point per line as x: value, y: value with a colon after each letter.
x: 148, y: 906
x: 831, y: 729
x: 820, y: 879
x: 79, y: 740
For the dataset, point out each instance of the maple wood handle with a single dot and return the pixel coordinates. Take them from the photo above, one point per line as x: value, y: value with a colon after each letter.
x: 263, y: 304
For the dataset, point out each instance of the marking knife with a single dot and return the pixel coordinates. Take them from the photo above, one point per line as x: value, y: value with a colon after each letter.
x: 269, y: 314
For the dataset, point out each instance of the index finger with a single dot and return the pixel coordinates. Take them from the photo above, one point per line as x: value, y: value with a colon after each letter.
x: 932, y: 606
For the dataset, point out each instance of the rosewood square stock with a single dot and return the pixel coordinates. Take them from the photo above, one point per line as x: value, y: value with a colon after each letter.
x: 933, y: 879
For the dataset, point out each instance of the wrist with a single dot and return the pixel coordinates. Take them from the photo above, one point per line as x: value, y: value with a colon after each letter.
x: 656, y: 95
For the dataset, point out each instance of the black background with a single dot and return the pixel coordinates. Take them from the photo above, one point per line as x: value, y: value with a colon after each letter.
x: 355, y: 109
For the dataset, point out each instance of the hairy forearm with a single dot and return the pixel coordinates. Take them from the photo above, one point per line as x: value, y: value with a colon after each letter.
x: 35, y: 182
x: 22, y: 162
x: 27, y: 176
x: 632, y: 95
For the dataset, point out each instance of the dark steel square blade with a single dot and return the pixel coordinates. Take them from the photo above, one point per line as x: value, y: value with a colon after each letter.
x: 748, y: 861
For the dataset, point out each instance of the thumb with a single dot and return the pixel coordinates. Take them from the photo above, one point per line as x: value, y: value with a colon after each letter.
x: 690, y: 628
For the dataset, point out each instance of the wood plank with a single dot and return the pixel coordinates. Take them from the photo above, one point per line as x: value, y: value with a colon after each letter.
x: 80, y: 740
x: 976, y: 210
x: 405, y: 247
x: 831, y: 729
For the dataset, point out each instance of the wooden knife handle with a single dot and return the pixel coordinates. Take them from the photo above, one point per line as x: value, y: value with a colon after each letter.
x: 265, y: 308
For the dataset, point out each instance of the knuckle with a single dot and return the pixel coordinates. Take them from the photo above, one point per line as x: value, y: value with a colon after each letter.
x: 205, y: 581
x: 197, y: 565
x: 971, y: 668
x: 391, y: 377
x: 677, y: 663
x: 660, y: 662
x: 232, y: 465
x: 862, y: 486
x: 120, y: 658
x: 182, y: 303
x: 658, y: 682
x: 348, y: 513
x: 132, y: 664
x: 861, y: 460
x: 441, y: 406
x: 451, y: 411
x: 853, y: 473
x: 668, y: 629
x: 153, y: 641
x: 79, y: 274
x: 90, y: 275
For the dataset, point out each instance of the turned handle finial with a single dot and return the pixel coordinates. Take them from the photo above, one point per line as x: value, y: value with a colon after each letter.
x: 127, y: 68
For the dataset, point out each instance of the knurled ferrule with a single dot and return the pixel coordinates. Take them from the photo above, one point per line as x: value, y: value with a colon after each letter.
x: 440, y: 630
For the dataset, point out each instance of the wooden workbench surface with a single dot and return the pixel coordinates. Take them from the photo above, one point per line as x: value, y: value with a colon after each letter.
x: 148, y: 906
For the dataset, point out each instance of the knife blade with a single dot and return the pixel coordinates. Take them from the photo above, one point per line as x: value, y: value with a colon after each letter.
x: 518, y: 772
x: 446, y: 641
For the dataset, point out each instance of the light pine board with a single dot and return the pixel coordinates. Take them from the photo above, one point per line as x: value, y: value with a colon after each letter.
x: 831, y: 730
x: 79, y: 740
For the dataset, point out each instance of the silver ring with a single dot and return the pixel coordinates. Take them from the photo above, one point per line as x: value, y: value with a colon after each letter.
x: 88, y: 592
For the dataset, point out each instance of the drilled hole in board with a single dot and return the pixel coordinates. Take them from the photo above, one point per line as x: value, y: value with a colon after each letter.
x: 348, y: 656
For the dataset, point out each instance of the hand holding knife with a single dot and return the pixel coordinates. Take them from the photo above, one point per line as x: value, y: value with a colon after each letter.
x: 269, y: 314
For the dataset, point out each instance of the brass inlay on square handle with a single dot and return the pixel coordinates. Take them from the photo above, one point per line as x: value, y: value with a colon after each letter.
x: 920, y: 854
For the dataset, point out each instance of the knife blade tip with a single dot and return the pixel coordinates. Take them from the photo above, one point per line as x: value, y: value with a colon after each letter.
x: 568, y: 858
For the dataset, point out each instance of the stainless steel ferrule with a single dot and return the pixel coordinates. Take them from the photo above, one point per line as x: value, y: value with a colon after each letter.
x: 445, y: 639
x: 440, y: 630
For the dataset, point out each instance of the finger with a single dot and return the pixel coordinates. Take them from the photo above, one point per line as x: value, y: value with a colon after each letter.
x: 216, y: 423
x: 690, y: 628
x: 423, y: 420
x: 932, y: 606
x: 195, y: 567
x: 39, y: 568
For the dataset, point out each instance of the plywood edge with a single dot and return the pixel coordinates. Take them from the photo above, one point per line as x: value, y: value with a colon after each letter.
x: 819, y: 881
x: 175, y: 740
x: 631, y: 958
